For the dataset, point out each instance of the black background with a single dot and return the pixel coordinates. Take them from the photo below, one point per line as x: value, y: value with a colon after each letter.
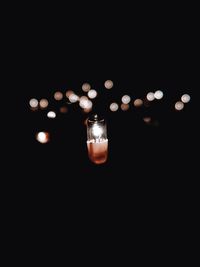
x: 149, y: 173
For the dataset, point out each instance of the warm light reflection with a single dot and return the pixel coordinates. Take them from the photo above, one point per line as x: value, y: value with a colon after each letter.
x: 51, y: 114
x: 124, y: 107
x: 68, y: 93
x: 126, y: 99
x: 179, y: 105
x: 185, y: 98
x: 114, y: 107
x: 108, y: 84
x: 158, y: 94
x: 150, y: 96
x: 138, y: 103
x: 33, y: 103
x: 92, y: 93
x: 58, y: 96
x: 42, y: 137
x: 44, y: 103
x: 86, y: 87
x: 63, y: 109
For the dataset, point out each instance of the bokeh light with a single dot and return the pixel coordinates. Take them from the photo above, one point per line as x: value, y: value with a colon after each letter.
x: 63, y: 109
x: 58, y: 96
x: 43, y: 137
x: 85, y: 103
x: 126, y: 99
x: 124, y: 107
x: 114, y: 107
x: 179, y: 105
x: 158, y: 94
x: 73, y: 98
x: 185, y: 98
x: 150, y: 96
x: 44, y: 103
x: 68, y: 93
x: 86, y: 87
x: 92, y: 93
x: 108, y: 84
x: 33, y: 103
x: 51, y: 114
x: 138, y: 102
x: 147, y: 119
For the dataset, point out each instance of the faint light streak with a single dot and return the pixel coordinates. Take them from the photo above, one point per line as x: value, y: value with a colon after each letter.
x: 33, y: 103
x: 150, y: 96
x: 51, y: 115
x: 108, y: 84
x: 124, y: 107
x: 179, y: 105
x: 158, y: 94
x: 138, y: 102
x: 126, y: 99
x: 185, y: 98
x: 86, y: 87
x: 43, y: 137
x: 114, y: 107
x: 92, y: 93
x: 58, y: 96
x: 44, y: 103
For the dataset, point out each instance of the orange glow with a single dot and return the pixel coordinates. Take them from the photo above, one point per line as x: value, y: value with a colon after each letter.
x: 124, y: 107
x: 58, y: 96
x: 44, y: 103
x: 43, y: 137
x: 138, y: 103
x: 63, y: 109
x: 68, y: 93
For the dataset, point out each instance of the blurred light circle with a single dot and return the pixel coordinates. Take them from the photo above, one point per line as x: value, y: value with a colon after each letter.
x: 88, y: 105
x: 179, y: 105
x: 58, y: 96
x: 126, y: 99
x: 114, y: 107
x: 51, y: 114
x: 92, y: 93
x: 185, y: 98
x: 158, y: 94
x: 63, y: 109
x: 44, y: 103
x: 42, y: 137
x: 124, y: 107
x: 83, y: 101
x: 68, y: 93
x: 108, y: 84
x: 150, y: 96
x: 147, y: 119
x: 73, y: 98
x: 138, y: 102
x: 86, y: 87
x: 33, y: 103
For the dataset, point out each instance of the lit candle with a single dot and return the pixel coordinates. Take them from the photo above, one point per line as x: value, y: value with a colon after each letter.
x: 97, y: 142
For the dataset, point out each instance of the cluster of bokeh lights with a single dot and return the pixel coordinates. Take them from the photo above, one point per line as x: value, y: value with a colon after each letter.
x: 86, y: 104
